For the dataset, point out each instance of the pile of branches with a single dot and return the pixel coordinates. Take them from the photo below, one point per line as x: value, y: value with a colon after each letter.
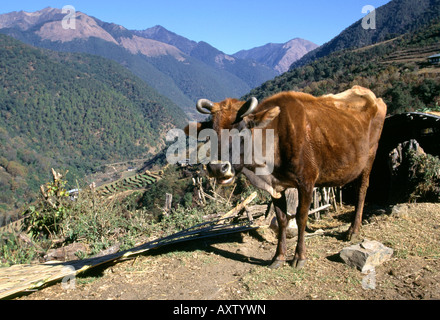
x: 415, y: 174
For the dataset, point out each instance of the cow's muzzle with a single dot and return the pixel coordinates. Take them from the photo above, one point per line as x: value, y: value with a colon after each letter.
x: 222, y: 171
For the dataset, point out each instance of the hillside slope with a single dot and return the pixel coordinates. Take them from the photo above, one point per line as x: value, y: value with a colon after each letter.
x: 71, y: 111
x: 396, y: 70
x: 392, y: 19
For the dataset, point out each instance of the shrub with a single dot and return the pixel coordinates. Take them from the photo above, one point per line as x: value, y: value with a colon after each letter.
x: 181, y: 218
x: 45, y: 218
x: 15, y: 251
x: 424, y: 177
x: 102, y: 222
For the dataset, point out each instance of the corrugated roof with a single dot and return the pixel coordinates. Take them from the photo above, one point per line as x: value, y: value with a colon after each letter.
x: 435, y: 56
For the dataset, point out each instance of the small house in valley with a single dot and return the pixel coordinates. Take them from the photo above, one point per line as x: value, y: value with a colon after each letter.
x: 435, y: 59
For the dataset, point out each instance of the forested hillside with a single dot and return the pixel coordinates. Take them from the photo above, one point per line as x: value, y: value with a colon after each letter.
x: 396, y: 70
x: 71, y: 111
x: 178, y: 68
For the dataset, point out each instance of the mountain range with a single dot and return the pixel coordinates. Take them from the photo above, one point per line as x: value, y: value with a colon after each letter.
x: 178, y: 68
x: 76, y: 99
x: 278, y: 56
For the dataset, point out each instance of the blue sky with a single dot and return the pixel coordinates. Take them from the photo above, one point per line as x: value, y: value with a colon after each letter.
x: 228, y: 25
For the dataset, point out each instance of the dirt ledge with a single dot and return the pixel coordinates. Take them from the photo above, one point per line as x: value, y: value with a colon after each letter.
x: 234, y: 267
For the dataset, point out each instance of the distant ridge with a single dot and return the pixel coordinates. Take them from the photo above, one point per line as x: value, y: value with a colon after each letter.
x: 161, y: 34
x: 278, y: 56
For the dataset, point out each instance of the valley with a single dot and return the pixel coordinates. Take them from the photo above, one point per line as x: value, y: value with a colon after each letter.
x: 69, y: 93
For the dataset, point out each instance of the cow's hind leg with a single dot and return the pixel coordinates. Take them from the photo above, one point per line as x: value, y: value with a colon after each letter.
x: 305, y: 198
x: 362, y: 186
x: 280, y: 206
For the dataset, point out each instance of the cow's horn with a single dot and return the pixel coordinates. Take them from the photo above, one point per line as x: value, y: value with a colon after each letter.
x: 204, y: 106
x: 253, y: 103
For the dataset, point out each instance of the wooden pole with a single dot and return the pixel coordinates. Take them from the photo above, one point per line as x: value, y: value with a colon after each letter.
x: 314, y: 211
x: 340, y: 197
x: 240, y: 206
x: 168, y: 201
x: 316, y: 203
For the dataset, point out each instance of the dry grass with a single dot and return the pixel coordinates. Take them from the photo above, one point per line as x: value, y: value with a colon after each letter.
x: 235, y: 267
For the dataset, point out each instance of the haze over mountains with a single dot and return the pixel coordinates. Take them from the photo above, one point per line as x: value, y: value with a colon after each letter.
x: 178, y: 68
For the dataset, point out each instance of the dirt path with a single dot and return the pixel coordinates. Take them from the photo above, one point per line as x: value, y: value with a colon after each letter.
x: 235, y: 267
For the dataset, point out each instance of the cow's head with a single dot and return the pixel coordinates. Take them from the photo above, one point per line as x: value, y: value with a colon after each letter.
x: 232, y: 114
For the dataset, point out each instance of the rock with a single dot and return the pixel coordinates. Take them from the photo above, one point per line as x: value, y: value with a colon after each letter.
x: 366, y: 255
x: 67, y: 253
x: 111, y: 250
x: 267, y: 234
x: 243, y: 251
x: 292, y: 227
x: 400, y: 210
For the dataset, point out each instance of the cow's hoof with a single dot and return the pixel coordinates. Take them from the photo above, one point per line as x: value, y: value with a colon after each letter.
x: 277, y: 264
x: 298, y: 264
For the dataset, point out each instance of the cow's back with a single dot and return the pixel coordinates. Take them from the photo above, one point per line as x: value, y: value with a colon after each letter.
x: 332, y: 136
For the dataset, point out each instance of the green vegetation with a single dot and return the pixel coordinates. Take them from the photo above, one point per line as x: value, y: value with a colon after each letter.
x: 46, y: 217
x: 98, y: 222
x: 14, y: 250
x: 71, y: 111
x: 424, y: 180
x: 123, y: 220
x: 393, y: 70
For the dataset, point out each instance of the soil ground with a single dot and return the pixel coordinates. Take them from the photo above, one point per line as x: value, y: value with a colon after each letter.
x: 234, y: 267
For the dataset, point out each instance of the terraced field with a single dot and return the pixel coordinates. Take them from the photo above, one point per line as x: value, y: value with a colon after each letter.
x: 135, y: 182
x: 413, y: 54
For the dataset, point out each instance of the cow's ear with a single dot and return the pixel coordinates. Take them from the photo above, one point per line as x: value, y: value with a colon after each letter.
x: 199, y: 125
x: 262, y: 119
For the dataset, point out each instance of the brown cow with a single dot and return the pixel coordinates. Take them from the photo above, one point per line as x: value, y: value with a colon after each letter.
x: 319, y: 141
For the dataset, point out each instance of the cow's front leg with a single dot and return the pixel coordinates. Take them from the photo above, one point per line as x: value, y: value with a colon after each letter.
x: 280, y: 206
x: 302, y: 213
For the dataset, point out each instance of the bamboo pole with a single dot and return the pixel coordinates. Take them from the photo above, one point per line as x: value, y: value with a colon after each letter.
x: 319, y: 209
